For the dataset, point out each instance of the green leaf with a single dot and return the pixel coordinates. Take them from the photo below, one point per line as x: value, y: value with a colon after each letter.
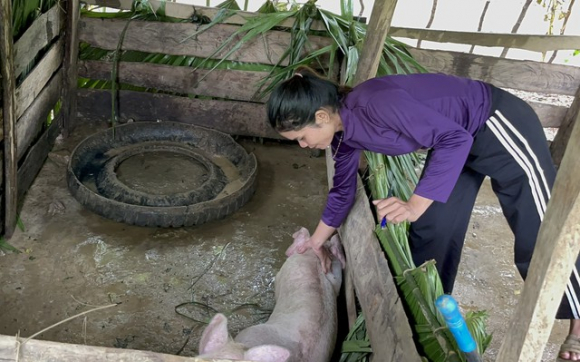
x: 7, y: 247
x: 20, y: 223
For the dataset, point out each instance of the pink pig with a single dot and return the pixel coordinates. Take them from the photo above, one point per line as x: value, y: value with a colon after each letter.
x: 303, y: 324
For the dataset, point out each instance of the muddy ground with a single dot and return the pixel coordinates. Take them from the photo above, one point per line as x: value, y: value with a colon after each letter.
x: 166, y: 279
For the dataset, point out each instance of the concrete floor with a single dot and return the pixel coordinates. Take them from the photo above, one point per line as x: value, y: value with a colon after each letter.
x: 165, y: 279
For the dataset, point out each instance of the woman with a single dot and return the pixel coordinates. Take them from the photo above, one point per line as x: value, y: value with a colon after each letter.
x: 472, y: 130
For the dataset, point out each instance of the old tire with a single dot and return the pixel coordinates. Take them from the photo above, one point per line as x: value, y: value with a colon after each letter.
x: 111, y: 187
x: 92, y: 154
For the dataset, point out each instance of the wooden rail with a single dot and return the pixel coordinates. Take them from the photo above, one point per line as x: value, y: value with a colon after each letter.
x: 537, y: 43
x: 178, y: 39
x: 45, y: 351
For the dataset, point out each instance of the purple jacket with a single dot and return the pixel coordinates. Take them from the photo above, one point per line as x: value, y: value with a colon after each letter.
x: 398, y: 114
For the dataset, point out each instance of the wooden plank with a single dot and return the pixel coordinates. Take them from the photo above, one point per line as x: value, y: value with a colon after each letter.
x: 41, y: 33
x: 518, y: 74
x: 37, y: 79
x: 46, y: 351
x: 35, y: 159
x: 562, y: 138
x: 69, y: 105
x: 9, y: 117
x: 377, y: 30
x: 549, y: 114
x: 186, y: 11
x: 221, y: 83
x: 31, y: 122
x: 556, y: 251
x: 386, y: 321
x: 175, y: 39
x: 540, y: 43
x: 237, y: 118
x: 531, y: 42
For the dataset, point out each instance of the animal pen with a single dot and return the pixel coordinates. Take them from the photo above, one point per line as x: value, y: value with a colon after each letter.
x: 222, y: 95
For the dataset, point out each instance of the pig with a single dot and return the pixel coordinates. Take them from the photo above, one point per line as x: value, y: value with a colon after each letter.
x: 303, y: 324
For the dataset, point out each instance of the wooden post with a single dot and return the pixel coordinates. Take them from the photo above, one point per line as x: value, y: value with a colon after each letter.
x: 377, y: 30
x: 560, y: 142
x: 9, y: 86
x: 554, y: 256
x: 386, y: 321
x: 69, y: 98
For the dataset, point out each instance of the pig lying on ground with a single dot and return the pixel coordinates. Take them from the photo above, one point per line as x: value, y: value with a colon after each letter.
x: 303, y: 324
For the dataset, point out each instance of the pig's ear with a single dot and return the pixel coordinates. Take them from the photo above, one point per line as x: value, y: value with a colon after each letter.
x: 303, y: 233
x: 215, y: 335
x: 267, y: 353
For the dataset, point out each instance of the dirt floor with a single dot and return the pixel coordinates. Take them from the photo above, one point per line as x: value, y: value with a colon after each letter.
x: 166, y: 279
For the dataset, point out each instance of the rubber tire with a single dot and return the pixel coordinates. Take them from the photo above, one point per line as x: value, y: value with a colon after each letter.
x: 111, y: 187
x: 90, y: 156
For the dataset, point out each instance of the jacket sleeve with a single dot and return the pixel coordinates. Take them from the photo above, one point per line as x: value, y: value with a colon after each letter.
x: 449, y: 141
x: 342, y: 194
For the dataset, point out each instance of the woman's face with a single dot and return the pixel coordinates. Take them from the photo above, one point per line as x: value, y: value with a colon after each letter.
x: 318, y: 135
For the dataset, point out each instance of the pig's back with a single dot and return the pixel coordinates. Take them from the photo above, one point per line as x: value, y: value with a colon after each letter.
x: 304, y: 318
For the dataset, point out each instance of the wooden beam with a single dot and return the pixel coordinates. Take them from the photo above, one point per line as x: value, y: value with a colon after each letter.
x: 9, y: 117
x: 237, y: 118
x: 176, y: 39
x: 69, y: 106
x: 220, y: 83
x: 535, y: 43
x: 41, y: 33
x: 549, y: 114
x: 556, y: 251
x: 386, y: 321
x: 186, y: 11
x: 377, y: 30
x: 46, y: 351
x: 560, y: 142
x: 508, y: 73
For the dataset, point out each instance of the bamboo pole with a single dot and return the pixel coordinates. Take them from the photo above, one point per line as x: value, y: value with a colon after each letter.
x: 9, y: 86
x: 69, y: 108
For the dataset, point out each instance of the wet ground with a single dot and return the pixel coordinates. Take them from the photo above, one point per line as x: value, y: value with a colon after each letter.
x: 167, y: 279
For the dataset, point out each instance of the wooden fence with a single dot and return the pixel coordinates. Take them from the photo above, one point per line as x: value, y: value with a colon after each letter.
x: 27, y: 101
x: 28, y: 139
x: 522, y: 75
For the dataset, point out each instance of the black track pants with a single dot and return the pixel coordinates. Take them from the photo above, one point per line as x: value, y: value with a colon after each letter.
x: 511, y: 149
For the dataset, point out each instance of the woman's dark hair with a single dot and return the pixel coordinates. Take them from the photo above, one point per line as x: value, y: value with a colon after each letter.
x: 294, y: 102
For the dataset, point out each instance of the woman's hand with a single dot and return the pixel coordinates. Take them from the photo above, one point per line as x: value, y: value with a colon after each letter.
x: 396, y: 210
x: 318, y: 248
x: 303, y: 241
